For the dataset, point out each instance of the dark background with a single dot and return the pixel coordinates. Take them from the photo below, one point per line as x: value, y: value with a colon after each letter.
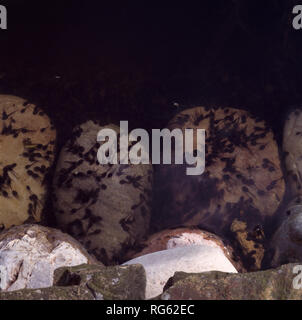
x: 131, y: 61
x: 112, y: 61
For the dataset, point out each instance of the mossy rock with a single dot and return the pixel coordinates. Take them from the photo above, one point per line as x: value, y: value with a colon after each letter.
x: 274, y: 284
x: 89, y: 282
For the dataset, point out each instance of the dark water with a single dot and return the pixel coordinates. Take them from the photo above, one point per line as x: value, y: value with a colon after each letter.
x: 84, y: 60
x: 133, y: 61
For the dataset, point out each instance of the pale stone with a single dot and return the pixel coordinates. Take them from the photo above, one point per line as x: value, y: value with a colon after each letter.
x: 184, y: 237
x: 162, y: 265
x: 287, y: 240
x: 29, y: 254
x: 286, y: 244
x: 292, y: 148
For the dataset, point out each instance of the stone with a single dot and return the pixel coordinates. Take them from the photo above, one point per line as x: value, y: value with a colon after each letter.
x: 110, y: 283
x: 161, y: 265
x: 273, y: 284
x: 105, y: 207
x: 29, y: 254
x: 89, y: 282
x: 27, y: 143
x: 50, y: 293
x: 292, y: 151
x: 184, y: 237
x: 243, y: 180
x: 286, y: 244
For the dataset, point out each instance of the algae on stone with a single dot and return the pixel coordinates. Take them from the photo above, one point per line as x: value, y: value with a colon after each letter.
x: 274, y: 284
x: 89, y: 282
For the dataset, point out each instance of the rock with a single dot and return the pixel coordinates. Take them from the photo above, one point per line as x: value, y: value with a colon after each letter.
x: 184, y: 237
x: 29, y: 254
x: 50, y: 293
x: 105, y: 207
x: 110, y: 283
x: 27, y: 143
x: 292, y: 150
x: 243, y: 180
x: 89, y: 282
x: 286, y: 243
x: 161, y: 265
x: 274, y: 284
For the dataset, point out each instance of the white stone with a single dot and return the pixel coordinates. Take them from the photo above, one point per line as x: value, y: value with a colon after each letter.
x: 286, y: 244
x: 183, y: 237
x: 29, y: 255
x: 162, y: 265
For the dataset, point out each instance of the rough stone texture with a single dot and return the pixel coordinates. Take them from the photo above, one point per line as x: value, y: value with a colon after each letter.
x: 27, y: 142
x: 51, y: 293
x: 184, y: 237
x: 286, y: 244
x: 161, y: 265
x: 89, y: 282
x: 105, y: 207
x: 112, y: 283
x: 242, y: 181
x: 292, y: 149
x: 274, y: 284
x: 29, y: 254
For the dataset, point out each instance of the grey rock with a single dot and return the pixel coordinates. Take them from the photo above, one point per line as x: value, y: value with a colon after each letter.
x: 273, y: 284
x: 89, y: 282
